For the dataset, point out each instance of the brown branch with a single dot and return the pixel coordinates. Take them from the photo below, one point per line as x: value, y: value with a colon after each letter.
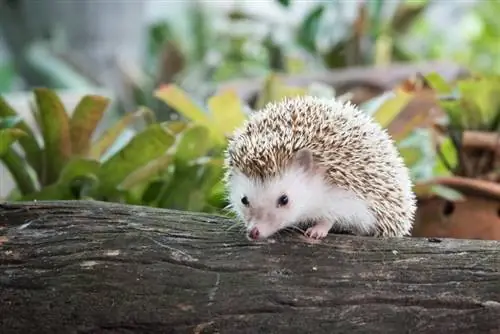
x: 93, y: 267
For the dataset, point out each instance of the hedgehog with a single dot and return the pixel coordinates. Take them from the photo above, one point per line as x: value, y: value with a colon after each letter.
x: 317, y: 161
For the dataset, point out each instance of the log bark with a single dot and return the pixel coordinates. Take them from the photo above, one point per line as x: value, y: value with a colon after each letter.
x: 94, y: 267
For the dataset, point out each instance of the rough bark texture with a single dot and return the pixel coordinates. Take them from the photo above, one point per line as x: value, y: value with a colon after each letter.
x: 92, y: 267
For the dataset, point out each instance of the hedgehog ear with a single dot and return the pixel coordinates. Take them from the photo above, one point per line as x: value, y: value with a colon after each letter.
x: 304, y: 159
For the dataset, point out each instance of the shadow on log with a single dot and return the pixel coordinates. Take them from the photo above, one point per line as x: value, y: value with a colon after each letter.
x: 93, y: 267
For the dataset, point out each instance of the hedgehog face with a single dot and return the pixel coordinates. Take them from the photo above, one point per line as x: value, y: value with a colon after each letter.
x: 269, y: 205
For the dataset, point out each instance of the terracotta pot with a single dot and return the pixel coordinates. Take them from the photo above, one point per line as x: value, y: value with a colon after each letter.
x: 477, y: 217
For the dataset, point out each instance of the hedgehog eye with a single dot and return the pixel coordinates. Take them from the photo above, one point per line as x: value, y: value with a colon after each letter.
x: 283, y: 200
x: 244, y: 201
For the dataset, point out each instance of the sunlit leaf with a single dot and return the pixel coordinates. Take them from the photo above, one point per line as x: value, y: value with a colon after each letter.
x: 54, y: 123
x: 438, y: 83
x: 146, y: 146
x: 391, y: 107
x: 84, y: 120
x: 183, y: 104
x: 227, y: 111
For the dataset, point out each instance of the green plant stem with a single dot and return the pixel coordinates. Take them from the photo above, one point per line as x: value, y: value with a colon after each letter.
x: 19, y: 172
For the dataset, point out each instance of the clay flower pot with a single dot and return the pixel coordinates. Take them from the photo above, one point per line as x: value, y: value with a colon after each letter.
x: 476, y: 217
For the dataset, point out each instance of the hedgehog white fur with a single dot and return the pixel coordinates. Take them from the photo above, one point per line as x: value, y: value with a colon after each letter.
x: 323, y: 161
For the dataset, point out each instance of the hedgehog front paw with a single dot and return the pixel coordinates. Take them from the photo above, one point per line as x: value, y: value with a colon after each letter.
x: 319, y: 230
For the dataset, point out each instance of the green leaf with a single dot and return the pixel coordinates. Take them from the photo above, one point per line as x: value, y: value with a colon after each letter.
x: 150, y: 144
x: 88, y: 113
x: 308, y: 29
x: 449, y: 153
x: 146, y: 172
x: 195, y: 143
x: 29, y: 143
x: 284, y: 3
x: 54, y: 123
x: 78, y: 177
x: 19, y: 171
x: 227, y: 111
x: 109, y: 137
x: 184, y: 180
x: 79, y: 167
x: 176, y: 127
x: 8, y: 137
x: 438, y: 83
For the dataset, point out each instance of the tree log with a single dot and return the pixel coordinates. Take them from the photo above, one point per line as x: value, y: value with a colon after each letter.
x: 94, y: 267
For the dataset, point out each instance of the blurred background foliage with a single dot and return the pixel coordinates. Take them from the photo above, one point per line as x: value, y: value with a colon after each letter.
x: 165, y: 148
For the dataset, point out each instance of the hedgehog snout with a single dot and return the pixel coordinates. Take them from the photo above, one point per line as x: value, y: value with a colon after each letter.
x: 254, y: 233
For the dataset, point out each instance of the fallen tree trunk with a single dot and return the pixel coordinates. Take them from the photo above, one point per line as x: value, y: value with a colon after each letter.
x: 93, y: 267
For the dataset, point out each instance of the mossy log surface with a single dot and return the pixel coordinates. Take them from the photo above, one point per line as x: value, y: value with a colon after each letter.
x: 94, y: 267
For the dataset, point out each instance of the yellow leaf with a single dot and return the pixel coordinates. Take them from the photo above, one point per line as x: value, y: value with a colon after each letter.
x: 182, y: 103
x: 227, y: 111
x: 391, y: 108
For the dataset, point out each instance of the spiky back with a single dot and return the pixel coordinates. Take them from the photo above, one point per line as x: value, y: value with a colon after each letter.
x: 358, y: 154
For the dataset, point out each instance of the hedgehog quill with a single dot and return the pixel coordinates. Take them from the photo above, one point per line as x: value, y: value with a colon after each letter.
x: 323, y: 161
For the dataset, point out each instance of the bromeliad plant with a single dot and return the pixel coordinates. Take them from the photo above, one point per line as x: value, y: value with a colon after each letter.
x: 160, y: 165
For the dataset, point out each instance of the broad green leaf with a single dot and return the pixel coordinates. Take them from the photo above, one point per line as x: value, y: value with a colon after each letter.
x: 482, y: 99
x: 308, y: 30
x: 438, y: 83
x: 212, y: 173
x: 47, y: 193
x: 227, y: 111
x: 180, y: 187
x: 77, y: 178
x: 29, y: 143
x: 150, y: 144
x: 146, y: 172
x: 390, y: 108
x: 455, y: 114
x: 54, y: 124
x: 18, y: 169
x: 450, y: 154
x: 88, y: 113
x: 195, y: 143
x: 108, y: 138
x: 153, y: 192
x: 78, y: 167
x: 8, y: 137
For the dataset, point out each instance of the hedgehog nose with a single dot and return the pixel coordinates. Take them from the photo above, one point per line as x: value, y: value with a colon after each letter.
x: 254, y: 233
